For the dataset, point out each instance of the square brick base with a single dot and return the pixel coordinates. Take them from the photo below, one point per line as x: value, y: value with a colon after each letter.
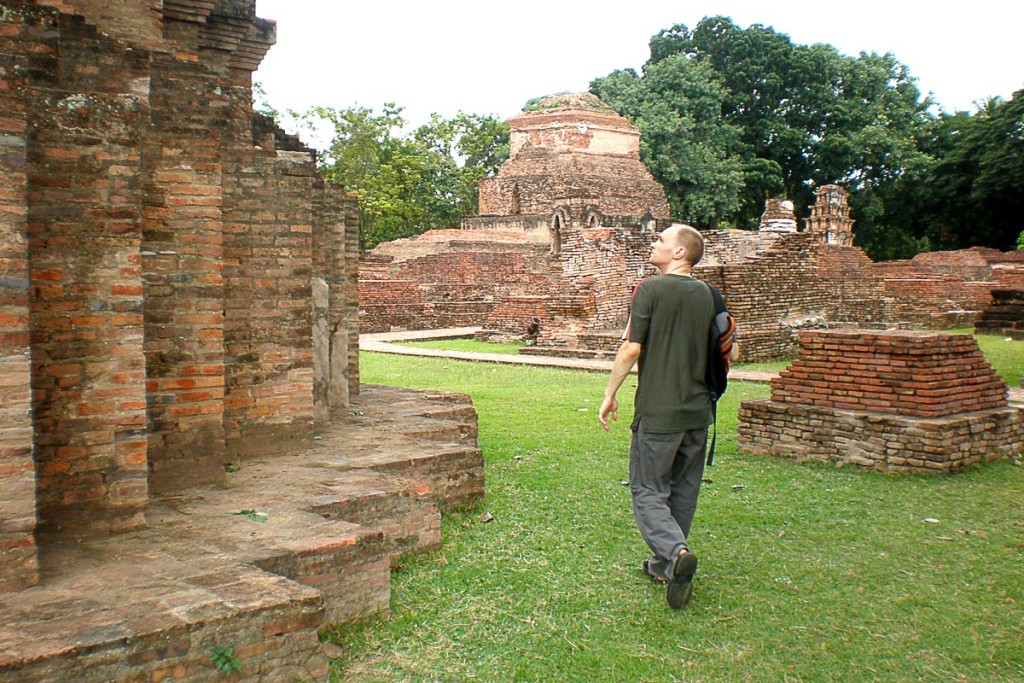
x: 889, y: 443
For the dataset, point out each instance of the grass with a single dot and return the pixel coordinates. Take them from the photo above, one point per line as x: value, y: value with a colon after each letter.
x: 808, y: 572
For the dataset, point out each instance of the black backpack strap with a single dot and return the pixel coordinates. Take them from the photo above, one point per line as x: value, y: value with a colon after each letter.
x: 714, y: 435
x: 718, y: 302
x: 717, y: 299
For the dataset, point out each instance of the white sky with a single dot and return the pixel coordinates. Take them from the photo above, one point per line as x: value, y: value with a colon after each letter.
x: 486, y: 57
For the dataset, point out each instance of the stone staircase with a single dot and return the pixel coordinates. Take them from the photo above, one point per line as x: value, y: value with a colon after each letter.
x: 292, y: 543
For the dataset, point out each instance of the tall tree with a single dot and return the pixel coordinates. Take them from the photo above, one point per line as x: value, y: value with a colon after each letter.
x: 801, y: 116
x: 408, y: 183
x: 685, y: 142
x: 974, y: 193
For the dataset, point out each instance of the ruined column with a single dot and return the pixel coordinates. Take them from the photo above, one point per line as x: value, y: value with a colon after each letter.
x: 183, y: 259
x: 86, y: 123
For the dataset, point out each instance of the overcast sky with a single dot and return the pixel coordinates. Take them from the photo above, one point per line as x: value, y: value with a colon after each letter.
x: 483, y: 57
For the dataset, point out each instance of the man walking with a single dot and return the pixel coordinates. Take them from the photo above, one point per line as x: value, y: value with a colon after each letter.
x: 668, y: 334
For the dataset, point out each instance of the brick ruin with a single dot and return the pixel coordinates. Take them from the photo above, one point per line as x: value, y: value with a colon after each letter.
x: 179, y: 293
x: 561, y: 236
x: 893, y: 401
x: 556, y: 253
x: 157, y: 281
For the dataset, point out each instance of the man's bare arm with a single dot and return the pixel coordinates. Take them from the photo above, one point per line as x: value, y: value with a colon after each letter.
x: 626, y: 357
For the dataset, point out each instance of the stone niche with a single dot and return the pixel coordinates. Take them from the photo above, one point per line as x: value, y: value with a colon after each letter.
x: 893, y: 401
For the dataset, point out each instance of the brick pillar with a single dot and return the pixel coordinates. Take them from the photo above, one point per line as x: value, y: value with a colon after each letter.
x: 18, y: 558
x: 86, y: 292
x: 351, y: 292
x: 183, y: 262
x: 268, y: 271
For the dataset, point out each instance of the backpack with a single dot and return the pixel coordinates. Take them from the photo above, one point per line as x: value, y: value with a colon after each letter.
x: 721, y: 335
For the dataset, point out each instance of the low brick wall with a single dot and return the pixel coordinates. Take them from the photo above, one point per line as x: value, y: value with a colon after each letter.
x: 916, y: 374
x: 893, y: 401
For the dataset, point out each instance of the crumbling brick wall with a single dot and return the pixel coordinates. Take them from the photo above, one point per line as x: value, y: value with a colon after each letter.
x: 436, y: 282
x: 160, y: 257
x: 771, y: 284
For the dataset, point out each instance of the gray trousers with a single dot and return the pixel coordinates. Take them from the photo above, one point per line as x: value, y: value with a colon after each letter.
x: 665, y: 472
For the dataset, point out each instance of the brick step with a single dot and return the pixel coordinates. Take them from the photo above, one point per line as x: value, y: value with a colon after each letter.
x: 461, y: 413
x: 404, y: 511
x: 151, y: 604
x: 453, y: 472
x: 561, y: 352
x: 347, y: 562
x: 170, y: 611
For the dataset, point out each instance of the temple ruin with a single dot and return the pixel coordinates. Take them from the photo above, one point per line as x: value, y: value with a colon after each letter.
x: 561, y: 236
x: 179, y: 320
x: 564, y: 234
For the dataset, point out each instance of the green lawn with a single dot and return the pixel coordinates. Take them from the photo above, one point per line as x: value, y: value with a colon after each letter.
x: 1006, y: 355
x: 808, y: 572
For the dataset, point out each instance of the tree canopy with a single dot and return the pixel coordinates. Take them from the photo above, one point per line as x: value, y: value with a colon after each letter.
x: 730, y: 116
x: 409, y: 183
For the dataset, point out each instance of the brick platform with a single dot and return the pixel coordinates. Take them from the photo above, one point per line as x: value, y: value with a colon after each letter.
x: 151, y: 604
x: 893, y: 401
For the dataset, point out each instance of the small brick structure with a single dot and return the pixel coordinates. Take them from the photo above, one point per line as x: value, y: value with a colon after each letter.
x: 1005, y: 317
x: 894, y: 401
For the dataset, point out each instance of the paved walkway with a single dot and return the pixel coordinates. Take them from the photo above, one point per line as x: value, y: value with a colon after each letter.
x: 386, y: 342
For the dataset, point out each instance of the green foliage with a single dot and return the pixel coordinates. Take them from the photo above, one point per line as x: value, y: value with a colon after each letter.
x: 225, y: 660
x: 1020, y: 241
x: 254, y: 515
x: 808, y: 572
x: 686, y: 143
x: 974, y: 192
x: 731, y: 116
x: 409, y: 183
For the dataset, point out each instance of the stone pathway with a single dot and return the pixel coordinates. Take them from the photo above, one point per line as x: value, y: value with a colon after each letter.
x: 388, y: 342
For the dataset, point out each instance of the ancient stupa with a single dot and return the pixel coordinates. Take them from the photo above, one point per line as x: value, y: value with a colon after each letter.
x: 572, y: 147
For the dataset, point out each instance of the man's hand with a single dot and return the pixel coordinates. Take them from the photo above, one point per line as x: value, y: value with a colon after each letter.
x: 627, y: 355
x: 609, y: 406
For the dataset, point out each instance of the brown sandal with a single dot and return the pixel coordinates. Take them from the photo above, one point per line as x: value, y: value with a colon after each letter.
x: 660, y: 580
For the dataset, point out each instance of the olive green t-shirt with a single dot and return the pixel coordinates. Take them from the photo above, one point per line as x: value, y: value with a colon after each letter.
x: 670, y: 318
